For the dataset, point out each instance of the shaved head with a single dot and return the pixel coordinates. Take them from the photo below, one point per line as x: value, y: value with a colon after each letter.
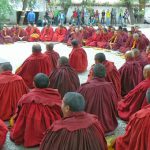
x: 146, y: 71
x: 63, y: 61
x: 36, y: 48
x: 148, y: 96
x: 136, y: 52
x: 49, y: 47
x: 129, y: 55
x: 99, y: 58
x: 148, y: 49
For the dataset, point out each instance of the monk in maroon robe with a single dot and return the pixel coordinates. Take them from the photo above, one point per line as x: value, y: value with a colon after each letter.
x: 148, y: 54
x: 135, y: 99
x: 112, y: 74
x: 131, y: 74
x: 35, y: 63
x: 137, y: 135
x: 139, y: 57
x: 47, y: 33
x: 78, y: 57
x: 128, y: 44
x: 59, y: 34
x: 53, y: 56
x: 69, y: 32
x: 18, y: 33
x: 6, y: 34
x: 61, y: 74
x: 28, y: 30
x: 3, y: 133
x: 37, y: 110
x: 77, y: 130
x: 101, y: 98
x: 12, y: 87
x: 34, y: 35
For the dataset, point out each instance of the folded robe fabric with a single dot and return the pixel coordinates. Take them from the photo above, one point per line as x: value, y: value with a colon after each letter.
x: 79, y: 131
x: 37, y: 110
x: 12, y: 87
x: 101, y: 100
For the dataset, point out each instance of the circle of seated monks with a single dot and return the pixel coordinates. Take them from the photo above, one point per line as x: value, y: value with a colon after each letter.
x: 47, y: 106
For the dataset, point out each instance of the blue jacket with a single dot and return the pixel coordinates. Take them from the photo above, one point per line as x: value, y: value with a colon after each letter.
x: 31, y: 16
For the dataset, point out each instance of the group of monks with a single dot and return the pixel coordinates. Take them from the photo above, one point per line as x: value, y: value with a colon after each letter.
x: 47, y: 106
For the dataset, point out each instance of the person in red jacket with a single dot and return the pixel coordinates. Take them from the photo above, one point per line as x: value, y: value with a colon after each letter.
x: 78, y: 57
x: 3, y: 133
x: 137, y: 135
x: 35, y: 63
x: 12, y: 87
x: 37, y: 110
x: 78, y: 130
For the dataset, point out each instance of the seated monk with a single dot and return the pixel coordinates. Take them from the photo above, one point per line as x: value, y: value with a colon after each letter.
x: 35, y: 63
x: 6, y: 35
x: 59, y: 34
x: 139, y: 57
x: 28, y: 30
x: 12, y: 87
x: 112, y: 74
x: 131, y: 74
x: 103, y: 42
x: 37, y: 110
x: 78, y: 57
x: 137, y: 135
x: 77, y: 130
x: 144, y: 38
x: 134, y: 100
x: 47, y: 33
x: 53, y: 56
x: 101, y: 99
x: 92, y: 41
x: 128, y: 44
x: 148, y: 54
x: 61, y: 74
x: 3, y: 133
x: 34, y: 35
x: 138, y: 42
x: 116, y: 41
x: 68, y: 35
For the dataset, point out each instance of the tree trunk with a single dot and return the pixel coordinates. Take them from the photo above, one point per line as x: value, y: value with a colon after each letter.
x: 130, y: 9
x: 141, y: 10
x: 25, y: 4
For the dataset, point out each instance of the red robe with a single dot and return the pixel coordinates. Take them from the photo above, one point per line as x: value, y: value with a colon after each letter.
x: 101, y: 100
x: 131, y: 75
x: 137, y: 136
x: 53, y: 57
x: 28, y: 30
x: 78, y: 59
x: 112, y: 75
x: 3, y: 133
x: 37, y: 110
x: 79, y: 131
x: 133, y: 101
x: 47, y: 34
x: 59, y: 35
x: 58, y: 80
x: 35, y: 63
x: 142, y: 60
x: 103, y: 42
x: 34, y: 35
x: 6, y: 34
x: 12, y: 87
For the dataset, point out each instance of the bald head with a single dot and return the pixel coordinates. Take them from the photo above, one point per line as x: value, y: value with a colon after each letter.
x: 148, y: 49
x: 148, y: 96
x: 136, y: 52
x: 36, y: 48
x: 49, y: 47
x: 99, y: 58
x: 129, y: 55
x: 74, y: 43
x: 135, y: 36
x: 99, y: 71
x: 63, y: 61
x: 146, y: 71
x: 5, y: 67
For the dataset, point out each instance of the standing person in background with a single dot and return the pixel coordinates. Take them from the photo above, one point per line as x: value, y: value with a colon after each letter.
x: 86, y: 17
x: 136, y: 11
x: 97, y: 16
x: 108, y: 17
x: 79, y: 17
x: 113, y: 16
x: 82, y: 16
x: 126, y: 16
x: 61, y: 18
x: 51, y: 16
x: 31, y: 17
x: 56, y: 14
x: 103, y: 17
x: 75, y: 15
x: 121, y: 16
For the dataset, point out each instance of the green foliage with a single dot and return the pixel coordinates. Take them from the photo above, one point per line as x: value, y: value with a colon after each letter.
x: 5, y: 9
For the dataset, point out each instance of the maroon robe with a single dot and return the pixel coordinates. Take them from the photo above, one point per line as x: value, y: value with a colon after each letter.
x: 104, y: 41
x: 137, y: 135
x: 53, y: 57
x: 131, y: 75
x: 35, y: 63
x: 6, y: 34
x: 47, y: 34
x: 112, y: 75
x: 133, y: 101
x: 79, y: 131
x: 3, y: 133
x: 34, y: 35
x: 78, y: 59
x: 65, y: 79
x: 101, y: 100
x: 37, y: 110
x: 12, y: 87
